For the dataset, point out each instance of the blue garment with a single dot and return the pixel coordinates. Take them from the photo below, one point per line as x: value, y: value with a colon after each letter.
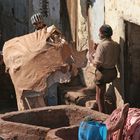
x: 92, y: 130
x: 51, y: 98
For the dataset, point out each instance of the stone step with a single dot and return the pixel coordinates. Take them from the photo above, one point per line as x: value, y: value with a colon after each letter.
x: 77, y: 95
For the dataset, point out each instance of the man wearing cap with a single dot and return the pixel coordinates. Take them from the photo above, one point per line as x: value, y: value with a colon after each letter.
x: 38, y: 21
x: 51, y: 96
x: 105, y: 59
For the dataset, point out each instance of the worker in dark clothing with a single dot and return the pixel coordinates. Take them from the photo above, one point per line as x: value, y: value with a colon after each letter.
x: 105, y: 58
x: 55, y: 38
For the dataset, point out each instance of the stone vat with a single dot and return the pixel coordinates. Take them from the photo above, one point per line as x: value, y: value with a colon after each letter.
x: 45, y: 123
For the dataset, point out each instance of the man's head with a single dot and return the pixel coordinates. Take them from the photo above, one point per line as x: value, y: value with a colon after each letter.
x: 105, y: 31
x: 37, y: 21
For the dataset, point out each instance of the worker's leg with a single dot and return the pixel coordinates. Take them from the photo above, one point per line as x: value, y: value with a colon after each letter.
x: 100, y: 92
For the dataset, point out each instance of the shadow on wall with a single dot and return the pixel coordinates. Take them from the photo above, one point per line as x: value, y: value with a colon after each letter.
x: 82, y: 78
x: 124, y: 66
x: 131, y: 80
x: 134, y: 97
x: 84, y: 8
x: 110, y: 99
x: 65, y: 20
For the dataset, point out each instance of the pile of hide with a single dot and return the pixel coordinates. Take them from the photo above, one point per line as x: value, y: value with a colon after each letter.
x: 33, y: 60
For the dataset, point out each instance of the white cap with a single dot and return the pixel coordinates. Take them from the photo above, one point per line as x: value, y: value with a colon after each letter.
x: 37, y: 18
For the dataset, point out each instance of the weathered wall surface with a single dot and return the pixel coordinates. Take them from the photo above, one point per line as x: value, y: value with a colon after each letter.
x: 129, y: 10
x: 82, y: 29
x: 13, y: 18
x: 118, y: 11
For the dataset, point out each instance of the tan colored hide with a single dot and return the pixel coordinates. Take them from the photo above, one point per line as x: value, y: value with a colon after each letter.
x: 30, y: 61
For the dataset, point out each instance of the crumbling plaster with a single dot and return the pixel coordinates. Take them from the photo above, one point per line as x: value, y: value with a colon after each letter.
x: 116, y: 12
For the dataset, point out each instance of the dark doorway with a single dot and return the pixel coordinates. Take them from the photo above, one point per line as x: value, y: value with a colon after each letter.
x: 132, y: 64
